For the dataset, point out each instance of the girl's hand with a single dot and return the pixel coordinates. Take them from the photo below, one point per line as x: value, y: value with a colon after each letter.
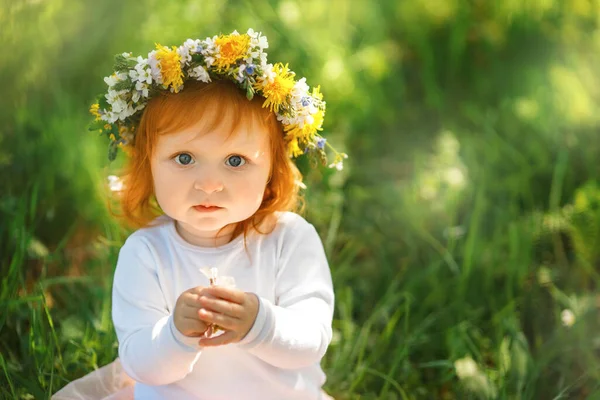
x: 230, y: 309
x: 186, y: 316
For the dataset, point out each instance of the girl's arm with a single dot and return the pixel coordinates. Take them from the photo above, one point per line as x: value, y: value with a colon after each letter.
x: 151, y: 349
x: 295, y: 331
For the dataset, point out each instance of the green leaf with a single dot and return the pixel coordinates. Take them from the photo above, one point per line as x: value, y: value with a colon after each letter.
x: 114, y: 129
x: 126, y: 84
x: 112, y: 151
x: 101, y: 100
x: 123, y: 64
x: 96, y: 125
x: 249, y: 92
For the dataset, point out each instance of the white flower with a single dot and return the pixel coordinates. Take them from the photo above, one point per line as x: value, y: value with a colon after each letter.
x: 268, y: 74
x: 111, y: 80
x: 128, y: 112
x: 338, y: 165
x: 116, y: 100
x: 300, y: 184
x: 455, y: 177
x: 114, y: 78
x: 286, y: 120
x: 250, y: 32
x: 154, y: 68
x: 200, y: 74
x: 466, y: 368
x: 209, y: 46
x: 119, y: 105
x: 209, y: 51
x: 567, y: 317
x: 300, y: 88
x: 257, y: 40
x: 142, y: 87
x: 305, y: 119
x: 256, y: 55
x: 115, y: 183
x: 141, y: 90
x: 186, y: 50
x: 263, y: 43
x: 111, y: 117
x: 240, y: 76
x: 141, y: 72
x: 209, y: 60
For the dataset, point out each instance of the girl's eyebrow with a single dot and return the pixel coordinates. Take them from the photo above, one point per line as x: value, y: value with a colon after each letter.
x: 248, y: 149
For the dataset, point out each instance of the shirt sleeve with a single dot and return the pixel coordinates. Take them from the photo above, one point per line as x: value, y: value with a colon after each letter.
x: 295, y: 331
x: 151, y: 349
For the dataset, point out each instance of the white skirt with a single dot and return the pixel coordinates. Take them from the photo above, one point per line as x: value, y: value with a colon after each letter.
x: 107, y: 383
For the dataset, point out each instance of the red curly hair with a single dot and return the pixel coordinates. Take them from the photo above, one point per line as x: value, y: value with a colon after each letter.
x: 220, y: 104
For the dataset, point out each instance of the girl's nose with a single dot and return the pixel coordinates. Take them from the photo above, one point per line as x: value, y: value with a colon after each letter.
x: 208, y: 184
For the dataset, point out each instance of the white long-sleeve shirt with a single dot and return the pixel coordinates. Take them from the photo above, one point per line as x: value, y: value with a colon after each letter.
x: 280, y: 356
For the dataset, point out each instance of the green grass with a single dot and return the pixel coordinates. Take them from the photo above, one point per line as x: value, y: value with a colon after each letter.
x: 466, y: 223
x: 397, y: 336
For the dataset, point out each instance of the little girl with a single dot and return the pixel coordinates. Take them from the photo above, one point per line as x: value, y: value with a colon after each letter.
x: 223, y: 292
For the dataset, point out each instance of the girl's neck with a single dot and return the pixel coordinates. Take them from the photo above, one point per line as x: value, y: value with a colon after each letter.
x: 205, y: 239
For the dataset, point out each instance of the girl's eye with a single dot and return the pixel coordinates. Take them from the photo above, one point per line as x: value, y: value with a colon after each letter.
x: 184, y: 159
x: 235, y: 161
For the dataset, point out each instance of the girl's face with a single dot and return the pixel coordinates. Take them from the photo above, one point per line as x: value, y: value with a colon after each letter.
x: 207, y: 181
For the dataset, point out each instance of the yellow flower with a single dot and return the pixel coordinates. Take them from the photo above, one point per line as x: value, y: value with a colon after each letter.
x: 232, y: 48
x: 170, y: 67
x: 277, y: 92
x: 112, y: 137
x: 94, y: 110
x: 293, y: 148
x: 307, y: 132
x: 316, y: 93
x: 127, y: 148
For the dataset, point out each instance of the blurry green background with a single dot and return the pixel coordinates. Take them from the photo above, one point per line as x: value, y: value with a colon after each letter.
x: 463, y: 234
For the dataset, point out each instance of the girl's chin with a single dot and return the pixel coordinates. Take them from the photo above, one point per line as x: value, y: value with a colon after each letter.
x: 206, y: 227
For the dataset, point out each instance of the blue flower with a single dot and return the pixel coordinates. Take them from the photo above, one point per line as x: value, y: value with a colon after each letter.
x: 250, y: 69
x: 306, y: 101
x: 321, y: 142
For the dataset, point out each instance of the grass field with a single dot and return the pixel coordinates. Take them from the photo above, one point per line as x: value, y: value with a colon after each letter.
x: 463, y: 236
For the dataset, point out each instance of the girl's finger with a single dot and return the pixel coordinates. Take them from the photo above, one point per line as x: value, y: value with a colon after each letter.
x: 190, y: 311
x: 227, y: 293
x: 192, y: 300
x: 196, y: 290
x: 216, y: 318
x: 233, y: 310
x: 194, y: 325
x: 222, y: 339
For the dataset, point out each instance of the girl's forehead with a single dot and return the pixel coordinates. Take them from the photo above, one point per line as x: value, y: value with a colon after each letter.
x: 244, y: 134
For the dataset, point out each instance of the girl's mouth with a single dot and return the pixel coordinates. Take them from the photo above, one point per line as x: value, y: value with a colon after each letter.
x: 207, y: 208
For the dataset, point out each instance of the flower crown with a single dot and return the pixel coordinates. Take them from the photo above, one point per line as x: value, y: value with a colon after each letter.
x: 236, y: 57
